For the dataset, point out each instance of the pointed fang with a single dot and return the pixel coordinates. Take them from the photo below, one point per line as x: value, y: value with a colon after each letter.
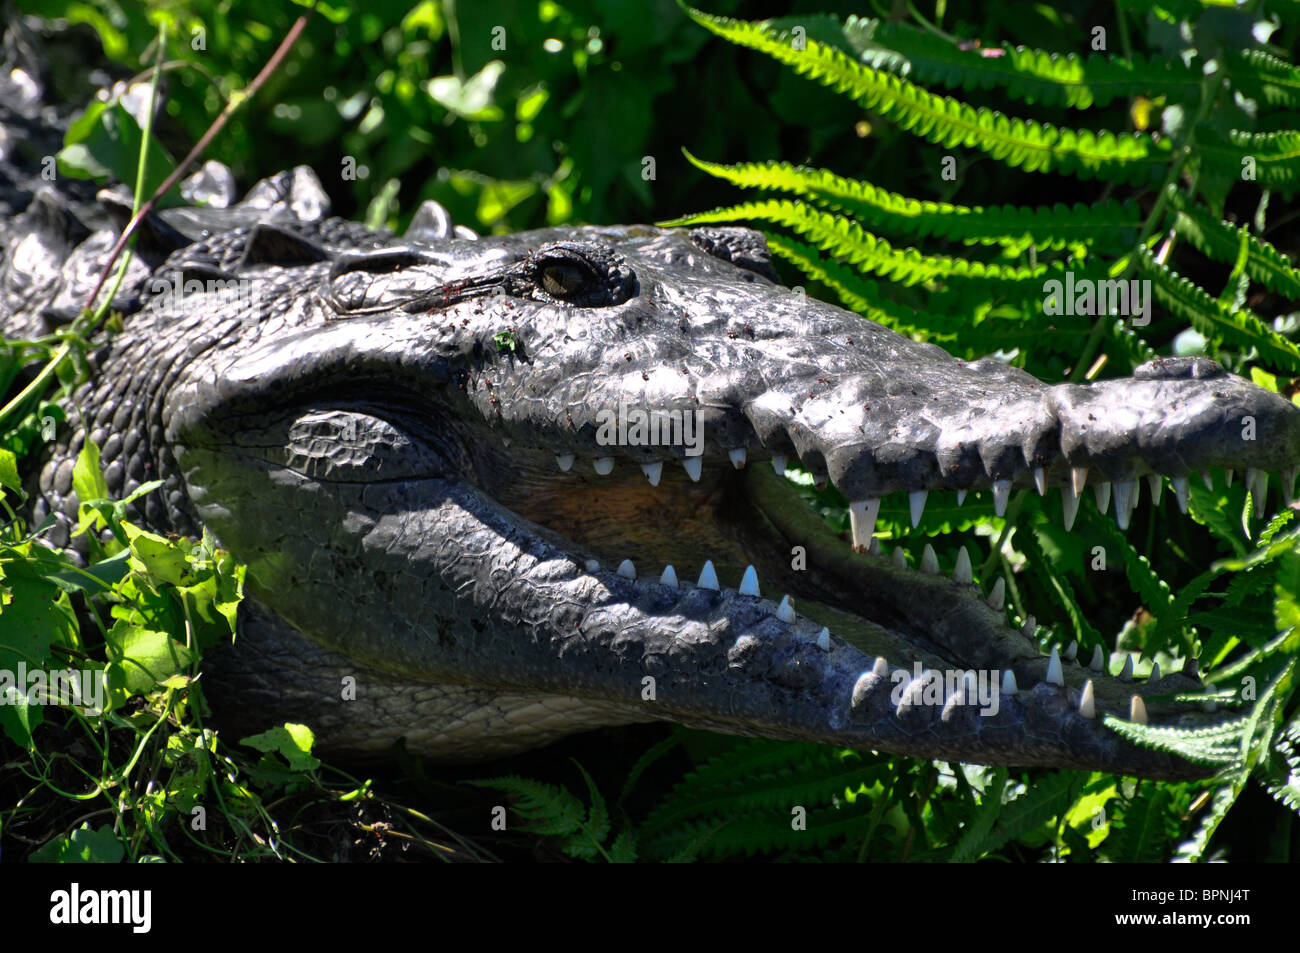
x: 1098, y: 663
x: 961, y: 496
x: 564, y: 461
x: 653, y: 471
x: 785, y: 611
x: 708, y: 576
x: 962, y: 572
x: 1009, y: 686
x: 916, y: 500
x: 1102, y: 490
x: 694, y: 468
x: 1087, y: 703
x: 998, y: 596
x: 1126, y: 673
x: 899, y: 558
x: 862, y: 522
x: 626, y: 569
x: 824, y: 639
x: 1069, y: 508
x: 1071, y: 651
x: 603, y: 466
x: 778, y: 463
x: 1040, y: 481
x: 749, y: 584
x: 929, y: 562
x: 1137, y: 710
x: 737, y: 457
x: 1054, y: 674
x: 1001, y: 493
x: 669, y: 577
x: 1157, y: 487
x: 1181, y: 492
x: 1078, y: 479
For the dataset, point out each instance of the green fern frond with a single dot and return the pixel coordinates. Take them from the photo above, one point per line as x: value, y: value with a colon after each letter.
x: 1047, y: 798
x: 1032, y: 76
x: 1146, y: 582
x: 849, y: 241
x: 1221, y: 241
x: 1263, y: 77
x: 1040, y: 565
x: 1269, y: 159
x: 1214, y: 319
x: 1103, y: 225
x: 1216, y: 744
x: 763, y: 776
x: 551, y: 811
x: 1144, y: 828
x: 1020, y: 143
x: 765, y: 833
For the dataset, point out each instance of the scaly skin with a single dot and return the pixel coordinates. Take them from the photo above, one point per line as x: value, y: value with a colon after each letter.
x: 351, y: 429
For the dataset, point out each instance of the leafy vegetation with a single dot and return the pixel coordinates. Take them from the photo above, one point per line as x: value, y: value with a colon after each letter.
x: 1165, y: 153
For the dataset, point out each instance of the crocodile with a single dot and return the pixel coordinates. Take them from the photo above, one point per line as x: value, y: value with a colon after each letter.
x: 492, y: 491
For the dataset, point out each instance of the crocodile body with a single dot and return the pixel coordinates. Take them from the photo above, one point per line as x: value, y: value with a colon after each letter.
x: 406, y: 441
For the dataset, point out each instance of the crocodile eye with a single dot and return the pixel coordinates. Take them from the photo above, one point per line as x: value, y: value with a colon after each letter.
x: 563, y: 279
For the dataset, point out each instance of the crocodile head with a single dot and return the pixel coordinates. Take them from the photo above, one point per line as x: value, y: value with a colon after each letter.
x: 520, y: 486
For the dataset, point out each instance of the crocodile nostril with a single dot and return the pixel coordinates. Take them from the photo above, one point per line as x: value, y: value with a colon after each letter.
x: 1173, y: 368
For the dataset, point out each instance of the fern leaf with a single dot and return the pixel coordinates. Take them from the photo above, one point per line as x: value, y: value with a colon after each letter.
x: 1142, y: 830
x: 1040, y: 565
x: 1221, y: 240
x: 1270, y: 159
x: 1215, y: 744
x: 1045, y: 799
x: 551, y: 811
x: 1103, y: 225
x: 1215, y: 320
x: 1021, y: 143
x: 849, y: 241
x: 1263, y: 77
x: 1033, y: 76
x: 1155, y: 592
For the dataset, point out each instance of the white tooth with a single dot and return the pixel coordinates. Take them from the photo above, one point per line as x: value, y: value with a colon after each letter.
x: 860, y: 689
x: 1126, y: 673
x: 1071, y: 651
x: 708, y: 576
x: 1137, y: 710
x: 505, y: 441
x: 819, y: 480
x: 785, y: 611
x: 1209, y: 483
x: 874, y: 548
x: 694, y: 467
x: 1288, y: 483
x: 1030, y: 628
x: 1102, y: 490
x: 929, y: 561
x: 565, y: 461
x: 1078, y: 479
x: 1040, y: 481
x: 603, y: 465
x: 961, y: 497
x: 1001, y: 493
x: 625, y: 568
x: 737, y: 458
x: 1054, y: 676
x: 592, y: 565
x: 899, y: 558
x: 1009, y: 686
x: 1155, y: 672
x: 653, y: 471
x: 1157, y: 487
x: 998, y: 597
x: 1098, y: 663
x: 1257, y: 485
x: 749, y: 583
x: 1181, y: 492
x: 1069, y: 507
x: 916, y: 500
x: 1087, y: 703
x: 778, y: 463
x: 824, y: 639
x: 1126, y: 493
x: 962, y: 571
x: 881, y: 667
x: 862, y: 521
x: 1227, y: 476
x: 669, y: 577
